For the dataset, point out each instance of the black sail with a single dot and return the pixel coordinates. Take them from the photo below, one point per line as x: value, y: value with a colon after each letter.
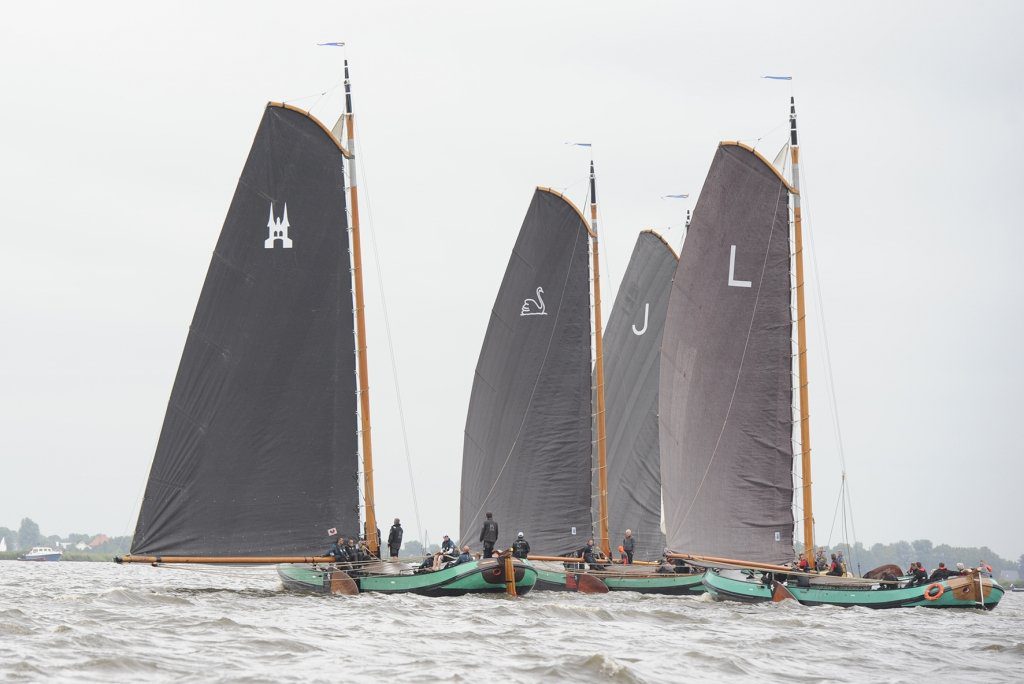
x: 258, y: 451
x: 726, y: 384
x: 526, y: 455
x: 632, y: 350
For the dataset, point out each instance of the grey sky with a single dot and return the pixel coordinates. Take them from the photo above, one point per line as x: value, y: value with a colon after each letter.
x: 125, y: 127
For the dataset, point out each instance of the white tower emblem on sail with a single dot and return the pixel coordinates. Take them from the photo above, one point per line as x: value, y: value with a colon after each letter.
x: 277, y: 230
x: 534, y: 307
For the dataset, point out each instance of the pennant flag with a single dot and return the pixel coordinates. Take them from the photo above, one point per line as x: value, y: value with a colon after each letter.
x: 333, y: 531
x: 675, y: 196
x: 331, y: 44
x: 579, y: 144
x: 779, y: 78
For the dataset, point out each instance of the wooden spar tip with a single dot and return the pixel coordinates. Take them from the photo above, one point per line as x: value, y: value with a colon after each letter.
x: 762, y: 158
x: 284, y: 105
x: 224, y: 560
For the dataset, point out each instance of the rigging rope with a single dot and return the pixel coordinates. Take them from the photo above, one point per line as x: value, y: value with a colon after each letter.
x: 829, y: 378
x: 391, y: 342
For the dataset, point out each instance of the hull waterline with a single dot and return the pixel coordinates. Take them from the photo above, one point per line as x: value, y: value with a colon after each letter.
x: 643, y: 583
x: 477, y: 577
x: 956, y: 592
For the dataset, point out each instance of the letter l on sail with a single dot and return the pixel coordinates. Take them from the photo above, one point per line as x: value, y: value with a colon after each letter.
x: 732, y: 270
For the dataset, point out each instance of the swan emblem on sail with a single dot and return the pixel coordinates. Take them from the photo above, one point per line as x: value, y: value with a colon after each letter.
x: 641, y: 331
x: 534, y: 307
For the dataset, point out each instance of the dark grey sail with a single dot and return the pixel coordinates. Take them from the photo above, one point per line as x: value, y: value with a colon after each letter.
x: 258, y: 451
x: 526, y: 455
x: 726, y: 384
x: 632, y: 349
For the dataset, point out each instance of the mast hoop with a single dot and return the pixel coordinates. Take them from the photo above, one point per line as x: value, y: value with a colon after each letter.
x: 283, y: 105
x: 748, y: 148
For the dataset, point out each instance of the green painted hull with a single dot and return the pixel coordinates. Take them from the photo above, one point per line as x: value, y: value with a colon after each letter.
x: 477, y: 577
x: 665, y: 584
x: 956, y: 593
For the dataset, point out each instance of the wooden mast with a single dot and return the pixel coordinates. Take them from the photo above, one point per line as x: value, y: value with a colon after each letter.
x: 801, y: 326
x: 364, y: 384
x: 602, y: 461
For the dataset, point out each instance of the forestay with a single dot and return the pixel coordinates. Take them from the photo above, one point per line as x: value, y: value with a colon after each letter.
x: 258, y: 451
x: 526, y: 455
x: 726, y: 383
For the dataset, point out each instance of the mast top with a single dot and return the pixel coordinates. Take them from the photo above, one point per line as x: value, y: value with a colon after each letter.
x: 593, y: 184
x: 792, y: 121
x: 348, y: 90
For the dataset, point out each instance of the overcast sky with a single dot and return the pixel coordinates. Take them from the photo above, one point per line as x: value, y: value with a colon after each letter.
x: 125, y: 127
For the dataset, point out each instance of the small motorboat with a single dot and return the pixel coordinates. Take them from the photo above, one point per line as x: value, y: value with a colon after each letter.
x: 42, y: 553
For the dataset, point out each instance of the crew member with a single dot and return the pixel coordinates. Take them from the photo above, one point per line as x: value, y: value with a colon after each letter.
x: 465, y: 556
x: 448, y: 549
x: 489, y: 534
x: 395, y: 538
x: 337, y: 551
x: 835, y: 568
x: 591, y: 555
x: 628, y: 544
x: 918, y: 575
x: 520, y: 547
x: 803, y: 565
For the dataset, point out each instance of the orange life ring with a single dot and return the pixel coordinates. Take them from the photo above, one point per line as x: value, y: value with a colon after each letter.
x: 934, y: 597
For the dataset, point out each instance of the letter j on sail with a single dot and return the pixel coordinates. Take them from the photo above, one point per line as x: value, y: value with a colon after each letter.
x: 732, y: 270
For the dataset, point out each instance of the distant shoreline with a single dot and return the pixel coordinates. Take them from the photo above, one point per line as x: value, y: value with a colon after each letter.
x: 73, y: 557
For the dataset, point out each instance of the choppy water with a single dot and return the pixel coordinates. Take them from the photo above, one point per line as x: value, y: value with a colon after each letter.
x: 100, y: 622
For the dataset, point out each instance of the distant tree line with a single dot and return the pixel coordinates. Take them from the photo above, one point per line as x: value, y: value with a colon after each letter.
x: 28, y: 535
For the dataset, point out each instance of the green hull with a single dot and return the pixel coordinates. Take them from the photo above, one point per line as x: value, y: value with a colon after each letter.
x: 956, y: 593
x: 665, y: 584
x: 477, y: 577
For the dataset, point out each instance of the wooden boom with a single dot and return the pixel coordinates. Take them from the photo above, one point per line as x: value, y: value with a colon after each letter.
x: 225, y: 560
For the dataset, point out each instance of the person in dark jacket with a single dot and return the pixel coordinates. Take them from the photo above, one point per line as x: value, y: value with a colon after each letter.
x: 628, y: 544
x: 835, y: 568
x: 353, y: 552
x: 337, y: 551
x: 591, y: 555
x: 465, y: 556
x: 918, y: 575
x: 940, y: 573
x: 521, y: 547
x: 395, y: 538
x: 489, y: 534
x: 448, y: 549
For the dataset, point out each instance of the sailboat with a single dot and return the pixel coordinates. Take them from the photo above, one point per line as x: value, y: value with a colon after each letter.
x: 727, y: 425
x: 259, y: 456
x: 537, y: 409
